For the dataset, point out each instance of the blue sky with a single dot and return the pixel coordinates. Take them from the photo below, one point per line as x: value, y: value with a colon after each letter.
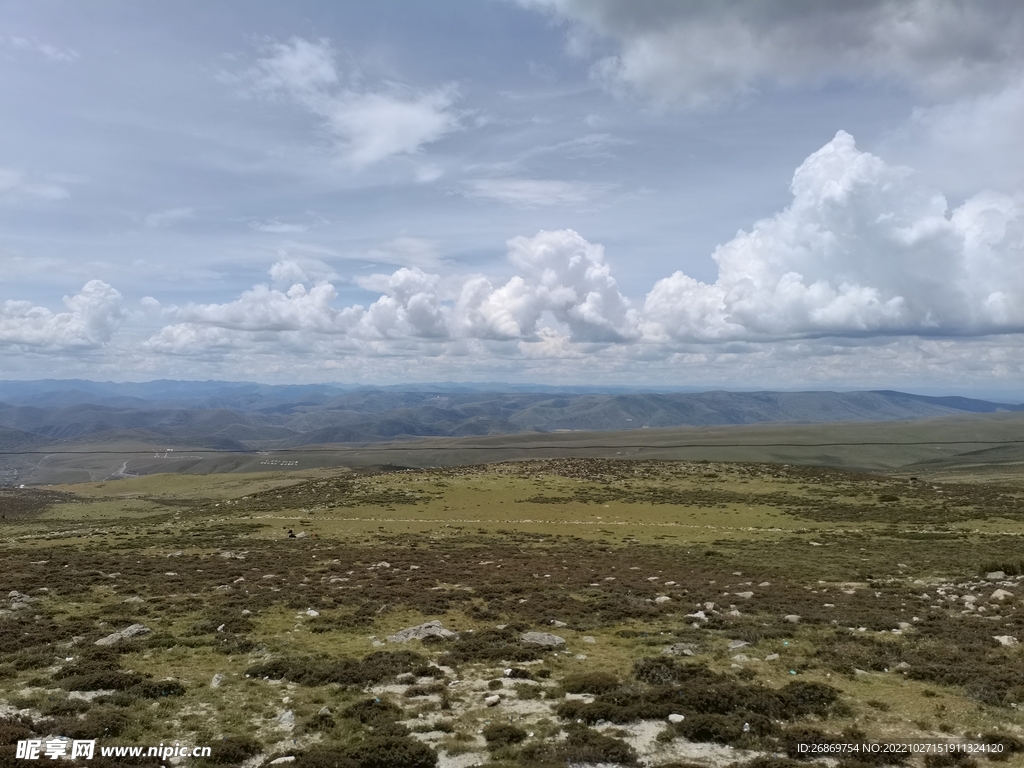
x: 732, y: 194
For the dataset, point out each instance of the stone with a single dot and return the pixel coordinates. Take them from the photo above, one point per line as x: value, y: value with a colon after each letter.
x: 545, y: 639
x: 286, y: 720
x: 420, y: 631
x: 312, y: 613
x: 493, y: 701
x: 1008, y: 640
x: 792, y: 618
x: 741, y: 658
x: 1000, y: 595
x: 557, y: 623
x: 324, y: 711
x: 735, y: 645
x: 217, y: 680
x: 699, y: 615
x: 675, y: 718
x: 679, y: 649
x: 995, y: 576
x: 771, y: 657
x: 282, y: 760
x: 134, y: 630
x: 662, y: 599
x: 589, y: 639
x: 745, y: 595
x: 300, y: 535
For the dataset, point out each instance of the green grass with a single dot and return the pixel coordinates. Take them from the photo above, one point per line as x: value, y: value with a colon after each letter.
x: 591, y: 544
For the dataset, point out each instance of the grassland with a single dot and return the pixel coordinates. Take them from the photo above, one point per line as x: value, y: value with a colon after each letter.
x: 768, y: 604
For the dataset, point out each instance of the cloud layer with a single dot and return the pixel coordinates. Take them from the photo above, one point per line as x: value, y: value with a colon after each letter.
x: 700, y: 52
x: 864, y: 260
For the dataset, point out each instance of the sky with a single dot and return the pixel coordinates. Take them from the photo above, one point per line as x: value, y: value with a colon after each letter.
x: 653, y: 193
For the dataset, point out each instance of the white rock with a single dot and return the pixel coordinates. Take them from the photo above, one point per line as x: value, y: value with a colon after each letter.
x: 589, y: 639
x: 312, y: 613
x: 493, y: 701
x: 792, y: 618
x: 543, y: 638
x: 675, y: 718
x: 699, y: 615
x: 1000, y: 595
x: 420, y: 631
x: 735, y: 645
x: 282, y: 760
x: 744, y: 595
x: 557, y: 623
x: 771, y: 657
x: 662, y: 599
x: 135, y: 630
x: 1008, y: 640
x: 995, y: 576
x: 217, y: 680
x: 286, y: 720
x: 741, y: 658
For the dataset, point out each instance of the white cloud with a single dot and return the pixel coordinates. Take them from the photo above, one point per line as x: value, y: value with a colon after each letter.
x: 14, y: 186
x: 867, y: 265
x: 168, y: 217
x: 51, y: 52
x: 367, y: 125
x: 92, y: 317
x: 406, y: 251
x: 863, y: 249
x: 699, y: 53
x: 536, y: 193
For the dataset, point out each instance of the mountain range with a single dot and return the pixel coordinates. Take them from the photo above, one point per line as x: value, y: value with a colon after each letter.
x: 236, y: 416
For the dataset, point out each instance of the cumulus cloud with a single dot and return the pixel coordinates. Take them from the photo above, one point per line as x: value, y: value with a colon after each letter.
x: 536, y: 193
x: 866, y: 255
x: 696, y: 52
x: 93, y: 315
x: 368, y: 125
x: 15, y: 186
x: 864, y: 248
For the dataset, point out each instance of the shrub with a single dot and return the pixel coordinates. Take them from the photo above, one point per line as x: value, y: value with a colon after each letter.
x: 234, y: 750
x: 502, y: 735
x: 590, y: 682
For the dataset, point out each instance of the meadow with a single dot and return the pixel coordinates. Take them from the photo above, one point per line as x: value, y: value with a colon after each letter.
x: 617, y: 611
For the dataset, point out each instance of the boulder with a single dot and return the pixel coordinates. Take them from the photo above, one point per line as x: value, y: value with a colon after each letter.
x: 995, y: 576
x: 420, y: 631
x: 1000, y: 595
x: 135, y: 630
x: 545, y: 639
x: 675, y: 718
x: 1008, y: 640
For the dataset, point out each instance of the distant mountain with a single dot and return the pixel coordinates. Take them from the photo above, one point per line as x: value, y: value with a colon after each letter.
x: 243, y: 416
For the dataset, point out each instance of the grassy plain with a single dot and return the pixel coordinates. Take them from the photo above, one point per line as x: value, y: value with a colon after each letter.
x: 768, y: 604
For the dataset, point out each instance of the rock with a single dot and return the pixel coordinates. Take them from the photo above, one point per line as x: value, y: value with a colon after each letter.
x: 735, y: 645
x: 493, y: 700
x: 679, y: 649
x: 420, y: 631
x: 792, y: 618
x: 905, y: 625
x: 282, y: 760
x: 1000, y: 595
x: 662, y: 599
x: 771, y: 657
x: 217, y: 681
x: 543, y: 638
x: 324, y: 711
x: 734, y: 613
x: 312, y: 613
x: 300, y: 535
x: 741, y: 658
x: 745, y: 595
x: 675, y: 718
x: 135, y: 630
x: 995, y: 576
x: 1008, y: 640
x: 699, y: 615
x: 589, y: 639
x: 557, y: 623
x: 246, y: 612
x: 903, y: 665
x: 286, y: 720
